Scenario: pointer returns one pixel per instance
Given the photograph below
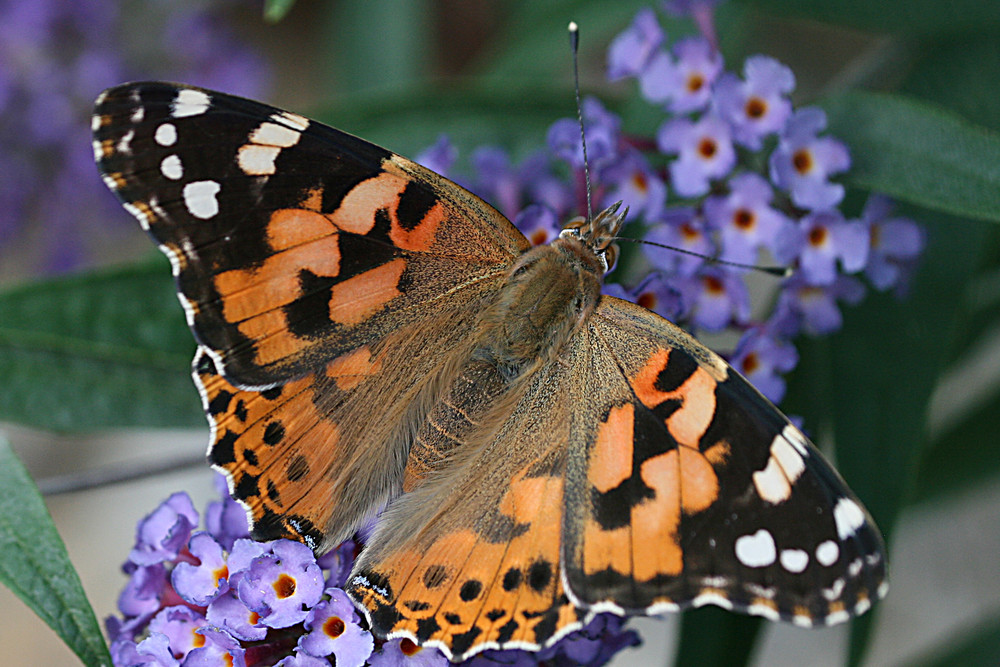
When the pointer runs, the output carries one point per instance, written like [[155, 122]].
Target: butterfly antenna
[[574, 45], [779, 271]]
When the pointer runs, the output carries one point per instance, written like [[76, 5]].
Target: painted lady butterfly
[[372, 334]]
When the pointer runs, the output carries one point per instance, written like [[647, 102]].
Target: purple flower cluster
[[209, 597], [733, 172], [55, 57]]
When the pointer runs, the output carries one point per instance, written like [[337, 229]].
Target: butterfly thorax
[[549, 293]]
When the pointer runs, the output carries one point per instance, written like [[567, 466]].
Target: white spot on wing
[[257, 160], [125, 143], [794, 436], [794, 560], [190, 102], [827, 553], [756, 550], [300, 123], [790, 460], [200, 198], [171, 167], [771, 483], [138, 114], [270, 134], [166, 134], [848, 516]]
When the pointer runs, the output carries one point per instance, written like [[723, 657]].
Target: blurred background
[[919, 378]]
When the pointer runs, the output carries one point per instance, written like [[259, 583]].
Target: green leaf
[[109, 348], [898, 16], [35, 566], [409, 119], [378, 42], [978, 646], [275, 10], [712, 636], [919, 153]]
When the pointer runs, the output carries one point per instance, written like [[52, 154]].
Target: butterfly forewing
[[292, 242], [699, 491]]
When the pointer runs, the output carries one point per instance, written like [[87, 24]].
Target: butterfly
[[372, 335]]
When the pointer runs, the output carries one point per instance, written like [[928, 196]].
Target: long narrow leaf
[[35, 566]]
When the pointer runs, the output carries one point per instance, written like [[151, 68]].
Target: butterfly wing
[[314, 268], [698, 490]]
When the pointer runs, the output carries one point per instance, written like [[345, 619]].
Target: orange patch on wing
[[522, 501], [644, 383], [718, 453], [422, 236], [289, 227], [699, 485], [350, 369], [313, 200], [356, 213], [611, 456], [272, 339], [607, 549], [697, 396], [656, 549], [690, 422], [358, 298], [250, 292]]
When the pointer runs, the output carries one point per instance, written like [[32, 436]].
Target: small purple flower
[[679, 228], [153, 651], [302, 659], [632, 181], [498, 179], [141, 594], [230, 614], [538, 223], [631, 51], [717, 298], [241, 556], [823, 239], [165, 531], [339, 562], [757, 106], [334, 628], [282, 586], [745, 219], [180, 625], [813, 308], [200, 583], [226, 519], [440, 157], [761, 358], [405, 653], [803, 162], [895, 243], [660, 295], [602, 129], [220, 648], [704, 151], [689, 79]]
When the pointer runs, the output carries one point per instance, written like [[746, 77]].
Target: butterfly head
[[599, 233]]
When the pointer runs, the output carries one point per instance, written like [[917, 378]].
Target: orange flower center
[[707, 147], [284, 587], [755, 108], [334, 627], [802, 160]]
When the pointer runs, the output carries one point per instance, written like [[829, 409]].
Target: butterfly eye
[[611, 255]]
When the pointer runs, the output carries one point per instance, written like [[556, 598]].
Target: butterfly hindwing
[[699, 491]]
